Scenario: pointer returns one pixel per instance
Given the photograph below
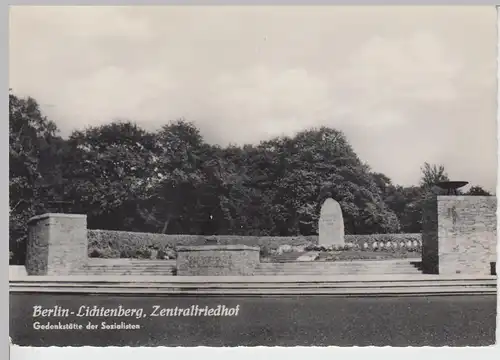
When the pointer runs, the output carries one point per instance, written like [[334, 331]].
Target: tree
[[174, 201], [383, 182], [34, 167], [313, 165], [432, 174], [477, 191], [172, 181], [112, 168]]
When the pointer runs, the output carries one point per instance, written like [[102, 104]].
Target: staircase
[[287, 257], [295, 268], [128, 267], [320, 268]]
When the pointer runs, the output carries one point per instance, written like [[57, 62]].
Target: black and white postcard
[[229, 176]]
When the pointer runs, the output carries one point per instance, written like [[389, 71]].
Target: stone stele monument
[[331, 224]]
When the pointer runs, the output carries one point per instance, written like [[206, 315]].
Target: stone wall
[[122, 240], [57, 244], [217, 260], [37, 247], [461, 231]]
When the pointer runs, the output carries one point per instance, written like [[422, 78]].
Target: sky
[[407, 85]]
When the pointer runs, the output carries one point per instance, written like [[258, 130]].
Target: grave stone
[[331, 224]]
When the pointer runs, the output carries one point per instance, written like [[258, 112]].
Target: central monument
[[331, 224]]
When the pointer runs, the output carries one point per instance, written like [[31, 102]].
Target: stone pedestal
[[57, 244], [217, 260], [459, 235]]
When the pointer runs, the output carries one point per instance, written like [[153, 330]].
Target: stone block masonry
[[217, 260], [459, 234], [57, 244]]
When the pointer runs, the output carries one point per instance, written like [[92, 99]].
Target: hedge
[[115, 244]]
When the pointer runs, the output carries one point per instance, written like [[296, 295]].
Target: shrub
[[143, 254], [127, 253], [166, 254], [309, 247], [285, 249], [106, 253], [264, 251]]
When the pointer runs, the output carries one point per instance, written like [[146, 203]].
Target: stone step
[[388, 261], [321, 266], [334, 272], [375, 270], [267, 271], [315, 264], [321, 273], [336, 267], [122, 262], [156, 271], [127, 260], [259, 282], [132, 270], [129, 267], [295, 268], [295, 263], [137, 262], [339, 268], [338, 271], [163, 273], [124, 274]]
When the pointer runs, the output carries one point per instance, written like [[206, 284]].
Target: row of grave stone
[[395, 245], [375, 245]]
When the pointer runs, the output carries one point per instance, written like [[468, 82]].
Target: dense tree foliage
[[172, 181], [35, 166], [477, 191]]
